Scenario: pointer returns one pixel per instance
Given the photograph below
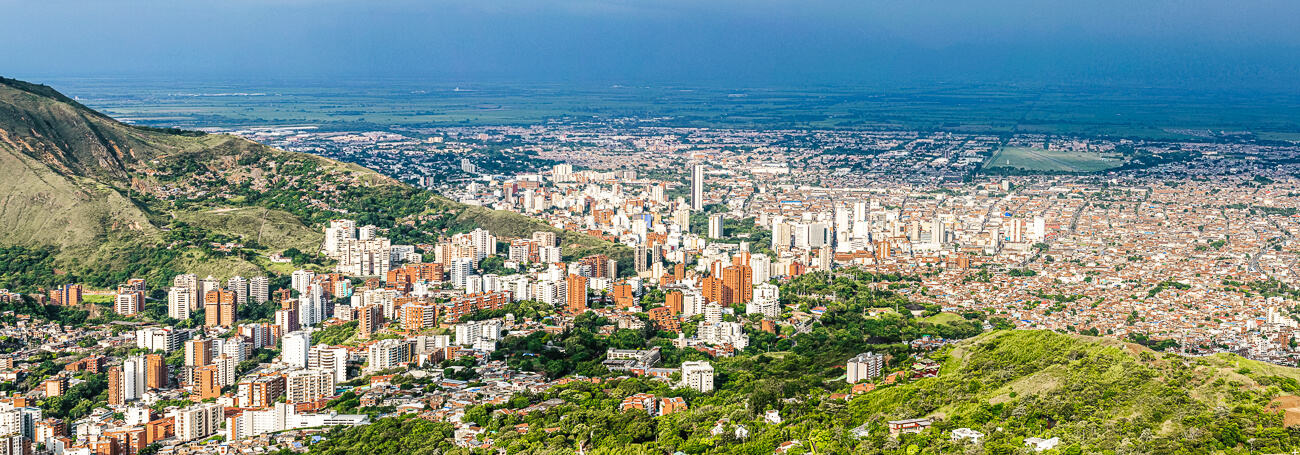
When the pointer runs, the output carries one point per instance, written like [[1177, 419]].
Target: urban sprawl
[[1189, 245]]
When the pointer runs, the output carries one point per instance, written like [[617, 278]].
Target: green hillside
[[111, 201], [275, 229], [1098, 396]]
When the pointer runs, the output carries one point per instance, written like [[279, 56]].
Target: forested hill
[[1098, 396], [99, 201]]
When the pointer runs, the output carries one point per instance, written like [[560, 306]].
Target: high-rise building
[[258, 391], [577, 293], [206, 285], [864, 366], [369, 318], [66, 295], [715, 226], [418, 317], [239, 286], [484, 243], [179, 302], [471, 332], [697, 187], [261, 335], [115, 396], [387, 354], [220, 308], [155, 372], [673, 300], [133, 378], [657, 193], [188, 280], [287, 318], [295, 346], [739, 280], [599, 265], [545, 238], [641, 259], [161, 339], [207, 380], [460, 270], [200, 352], [698, 375], [682, 218], [311, 305], [302, 386], [716, 291], [521, 250], [198, 421], [761, 265], [128, 303], [938, 236], [781, 234], [301, 279], [259, 289], [334, 360], [549, 254]]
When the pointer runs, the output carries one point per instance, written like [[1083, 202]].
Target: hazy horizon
[[1195, 45]]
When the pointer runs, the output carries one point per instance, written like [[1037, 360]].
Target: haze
[[1191, 44]]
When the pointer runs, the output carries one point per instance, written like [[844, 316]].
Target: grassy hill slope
[[1096, 394], [275, 229], [39, 206]]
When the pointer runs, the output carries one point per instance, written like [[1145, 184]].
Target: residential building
[[387, 354], [369, 320], [576, 298], [326, 358], [864, 366], [302, 386], [179, 302], [295, 348], [220, 308], [698, 375], [198, 421], [259, 289]]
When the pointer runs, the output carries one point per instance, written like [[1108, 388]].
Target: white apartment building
[[198, 421], [864, 366], [295, 346], [698, 375]]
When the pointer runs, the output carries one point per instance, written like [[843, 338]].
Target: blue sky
[[1192, 43]]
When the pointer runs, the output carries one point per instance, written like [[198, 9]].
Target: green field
[[1051, 160], [98, 299], [945, 318]]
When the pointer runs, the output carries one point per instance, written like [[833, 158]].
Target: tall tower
[[697, 187]]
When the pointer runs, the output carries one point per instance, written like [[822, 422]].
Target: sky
[[1184, 43]]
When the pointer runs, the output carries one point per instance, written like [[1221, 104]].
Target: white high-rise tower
[[697, 187]]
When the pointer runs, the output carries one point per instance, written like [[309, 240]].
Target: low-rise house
[[1040, 444], [897, 427], [967, 434]]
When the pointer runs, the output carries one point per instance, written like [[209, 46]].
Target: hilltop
[[1097, 395], [110, 201]]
